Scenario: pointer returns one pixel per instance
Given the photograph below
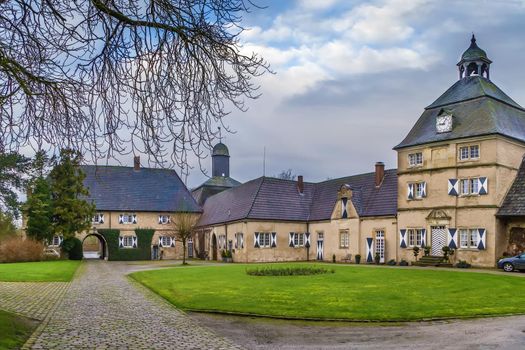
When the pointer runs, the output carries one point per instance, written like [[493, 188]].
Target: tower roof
[[474, 53], [220, 149]]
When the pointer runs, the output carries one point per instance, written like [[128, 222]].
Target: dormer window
[[415, 159]]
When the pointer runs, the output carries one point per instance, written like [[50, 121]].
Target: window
[[127, 241], [414, 237], [264, 239], [166, 241], [298, 239], [469, 152], [55, 242], [127, 218], [239, 240], [98, 218], [415, 159], [419, 190], [164, 219], [222, 241], [344, 239], [468, 238], [468, 187]]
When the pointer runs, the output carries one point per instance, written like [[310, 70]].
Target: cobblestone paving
[[104, 310], [31, 299]]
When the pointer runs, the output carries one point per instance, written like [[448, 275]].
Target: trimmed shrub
[[357, 258], [333, 258], [403, 263], [142, 252], [462, 264], [287, 271], [16, 249], [391, 262], [73, 247]]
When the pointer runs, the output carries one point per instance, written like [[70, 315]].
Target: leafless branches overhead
[[110, 76]]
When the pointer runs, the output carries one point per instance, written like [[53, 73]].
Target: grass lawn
[[352, 293], [14, 330], [43, 271]]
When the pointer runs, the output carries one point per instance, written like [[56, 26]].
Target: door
[[320, 246], [213, 247], [155, 252], [190, 247], [380, 245], [439, 239]]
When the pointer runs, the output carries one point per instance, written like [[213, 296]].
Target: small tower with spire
[[474, 61]]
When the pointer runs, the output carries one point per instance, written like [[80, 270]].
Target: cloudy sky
[[352, 77]]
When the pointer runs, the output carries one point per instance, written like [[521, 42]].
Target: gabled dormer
[[344, 207]]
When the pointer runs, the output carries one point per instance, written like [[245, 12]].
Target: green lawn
[[14, 330], [43, 271], [352, 293]]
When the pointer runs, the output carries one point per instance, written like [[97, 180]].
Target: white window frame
[[127, 241], [239, 239], [55, 241], [298, 239], [344, 239], [265, 239], [465, 152], [415, 159], [127, 218], [164, 219], [415, 237], [468, 238], [469, 186], [166, 241], [97, 218], [418, 190]]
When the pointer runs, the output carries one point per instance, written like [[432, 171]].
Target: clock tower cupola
[[474, 61]]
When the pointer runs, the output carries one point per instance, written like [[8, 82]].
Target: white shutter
[[172, 242], [169, 219], [369, 250], [235, 239], [410, 191], [452, 238], [307, 239], [256, 240], [160, 219], [482, 239], [344, 212], [423, 238], [60, 239], [242, 240], [134, 218], [290, 242], [121, 242], [134, 241], [483, 186], [101, 219], [274, 240], [424, 189], [120, 219], [402, 238], [453, 187], [160, 242]]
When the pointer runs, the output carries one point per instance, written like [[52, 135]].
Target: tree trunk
[[184, 252]]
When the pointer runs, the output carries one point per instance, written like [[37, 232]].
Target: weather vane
[[220, 135]]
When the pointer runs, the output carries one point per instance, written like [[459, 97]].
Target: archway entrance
[[94, 246], [213, 247]]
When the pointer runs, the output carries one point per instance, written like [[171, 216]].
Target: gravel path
[[103, 309]]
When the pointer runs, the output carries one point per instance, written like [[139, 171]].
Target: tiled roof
[[125, 189], [514, 202], [268, 198], [213, 186], [478, 108]]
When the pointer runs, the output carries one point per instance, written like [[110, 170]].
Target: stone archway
[[213, 247], [94, 246]]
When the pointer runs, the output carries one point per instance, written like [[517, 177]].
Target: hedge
[[142, 252]]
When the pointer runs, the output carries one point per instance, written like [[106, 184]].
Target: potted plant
[[228, 256], [416, 252], [427, 249], [447, 253], [403, 262], [377, 258], [358, 258], [333, 258]]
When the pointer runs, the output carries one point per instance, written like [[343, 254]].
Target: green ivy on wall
[[142, 252]]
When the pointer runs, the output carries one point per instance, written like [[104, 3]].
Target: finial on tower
[[474, 61], [220, 134]]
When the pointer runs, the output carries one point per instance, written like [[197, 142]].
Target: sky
[[352, 77]]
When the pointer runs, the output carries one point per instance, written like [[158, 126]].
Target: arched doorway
[[214, 247], [94, 246]]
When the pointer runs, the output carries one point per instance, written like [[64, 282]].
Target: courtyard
[[102, 307]]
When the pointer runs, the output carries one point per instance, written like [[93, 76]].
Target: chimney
[[136, 163], [380, 173], [300, 184]]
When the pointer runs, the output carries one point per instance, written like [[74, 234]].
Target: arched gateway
[[94, 246]]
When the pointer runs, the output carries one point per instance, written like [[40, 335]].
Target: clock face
[[444, 123]]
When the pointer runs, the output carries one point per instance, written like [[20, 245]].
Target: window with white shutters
[[415, 236], [264, 239], [127, 241], [298, 239], [98, 218], [468, 238]]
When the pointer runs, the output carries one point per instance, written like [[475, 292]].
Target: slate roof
[[267, 198], [116, 188], [478, 107], [514, 202], [213, 186]]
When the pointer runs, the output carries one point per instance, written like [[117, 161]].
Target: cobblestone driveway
[[104, 310]]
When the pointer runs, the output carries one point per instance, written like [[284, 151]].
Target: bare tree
[[183, 227], [286, 175], [99, 76]]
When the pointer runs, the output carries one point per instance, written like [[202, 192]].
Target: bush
[[16, 249], [403, 263], [377, 258], [287, 271], [391, 262], [358, 258], [73, 247], [462, 264], [333, 258]]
